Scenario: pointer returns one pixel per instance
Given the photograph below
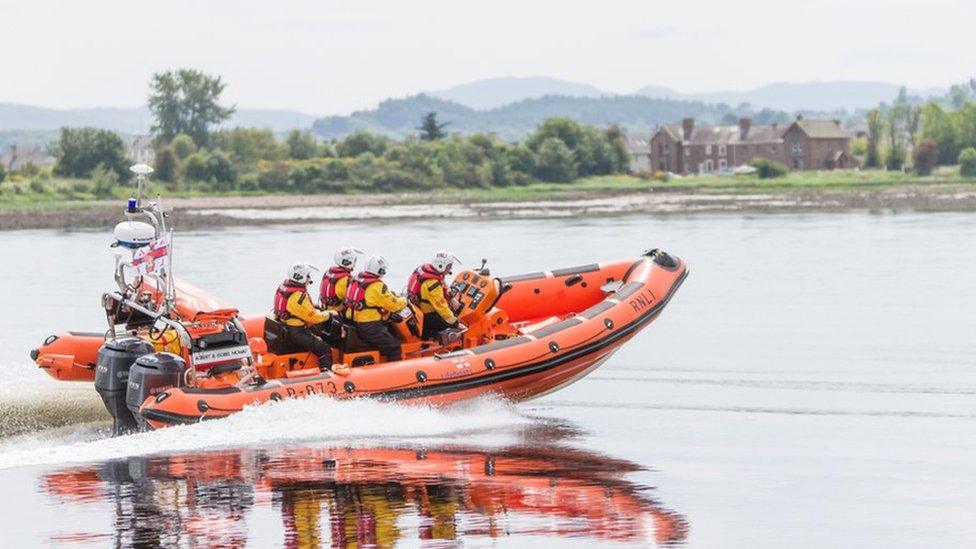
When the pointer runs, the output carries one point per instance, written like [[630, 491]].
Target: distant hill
[[136, 120], [849, 95], [496, 92], [846, 95], [400, 117]]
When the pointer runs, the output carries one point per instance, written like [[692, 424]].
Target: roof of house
[[758, 134], [728, 135], [821, 129]]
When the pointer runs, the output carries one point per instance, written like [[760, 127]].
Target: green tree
[[186, 101], [183, 146], [939, 126], [895, 158], [555, 161], [359, 143], [104, 181], [195, 167], [620, 155], [958, 95], [431, 129], [521, 159], [925, 156], [166, 164], [302, 145], [221, 171], [3, 173], [913, 118], [875, 132], [967, 162], [568, 131], [965, 121], [248, 145], [79, 150]]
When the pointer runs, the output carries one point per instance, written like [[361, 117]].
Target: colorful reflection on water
[[367, 496]]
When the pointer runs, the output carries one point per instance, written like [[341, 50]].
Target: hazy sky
[[333, 57]]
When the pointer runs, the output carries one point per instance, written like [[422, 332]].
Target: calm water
[[813, 383]]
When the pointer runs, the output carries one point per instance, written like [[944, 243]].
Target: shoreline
[[223, 211]]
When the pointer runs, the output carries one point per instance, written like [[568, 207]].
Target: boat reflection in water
[[368, 496]]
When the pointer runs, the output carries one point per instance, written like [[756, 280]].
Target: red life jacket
[[356, 293], [417, 278], [327, 291], [281, 298]]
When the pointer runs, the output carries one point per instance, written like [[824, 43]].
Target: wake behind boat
[[173, 354]]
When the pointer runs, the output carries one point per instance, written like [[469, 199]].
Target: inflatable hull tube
[[569, 326]]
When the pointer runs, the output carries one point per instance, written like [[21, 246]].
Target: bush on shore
[[967, 162], [768, 169], [925, 156]]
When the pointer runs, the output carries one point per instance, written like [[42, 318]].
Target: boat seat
[[349, 342], [277, 339]]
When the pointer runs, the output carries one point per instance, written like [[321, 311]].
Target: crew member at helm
[[335, 282], [428, 290], [370, 303], [295, 309]]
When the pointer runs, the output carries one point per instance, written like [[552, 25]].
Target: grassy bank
[[64, 194]]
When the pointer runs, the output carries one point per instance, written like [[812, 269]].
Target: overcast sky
[[328, 57]]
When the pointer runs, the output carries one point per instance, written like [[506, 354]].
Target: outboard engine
[[152, 374], [112, 368]]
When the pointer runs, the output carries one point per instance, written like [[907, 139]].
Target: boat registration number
[[226, 354]]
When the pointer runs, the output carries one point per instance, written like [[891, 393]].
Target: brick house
[[803, 145]]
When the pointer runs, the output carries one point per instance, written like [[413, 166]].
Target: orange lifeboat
[[526, 336]]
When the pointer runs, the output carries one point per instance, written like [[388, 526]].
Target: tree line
[[940, 131], [192, 152]]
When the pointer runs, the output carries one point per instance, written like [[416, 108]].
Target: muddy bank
[[208, 212]]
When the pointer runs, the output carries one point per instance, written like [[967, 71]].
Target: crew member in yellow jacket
[[370, 303], [429, 290], [294, 308], [335, 282]]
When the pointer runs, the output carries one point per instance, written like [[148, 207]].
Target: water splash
[[291, 421]]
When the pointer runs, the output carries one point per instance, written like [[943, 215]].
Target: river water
[[813, 382]]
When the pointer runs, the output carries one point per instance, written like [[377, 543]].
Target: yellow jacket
[[341, 287], [432, 300], [379, 301], [303, 312]]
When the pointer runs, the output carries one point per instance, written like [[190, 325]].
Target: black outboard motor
[[115, 359], [151, 375]]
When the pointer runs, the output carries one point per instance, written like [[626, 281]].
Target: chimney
[[688, 126], [799, 117], [744, 125]]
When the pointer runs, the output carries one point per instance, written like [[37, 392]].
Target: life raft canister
[[356, 293], [417, 278], [281, 299], [327, 291]]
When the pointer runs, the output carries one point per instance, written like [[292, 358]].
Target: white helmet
[[346, 257], [376, 265], [301, 273], [443, 261]]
